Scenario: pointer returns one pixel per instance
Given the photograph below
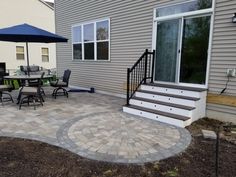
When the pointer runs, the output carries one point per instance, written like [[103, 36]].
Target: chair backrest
[[23, 69], [34, 69], [42, 75], [2, 77], [1, 80], [2, 69], [40, 82], [66, 76]]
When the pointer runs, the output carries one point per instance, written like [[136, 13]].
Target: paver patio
[[94, 126]]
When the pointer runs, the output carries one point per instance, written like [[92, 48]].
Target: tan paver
[[93, 126]]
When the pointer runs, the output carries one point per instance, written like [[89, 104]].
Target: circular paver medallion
[[118, 137]]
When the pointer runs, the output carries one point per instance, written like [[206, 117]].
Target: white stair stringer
[[200, 111]]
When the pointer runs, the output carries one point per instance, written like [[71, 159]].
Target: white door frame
[[203, 12]]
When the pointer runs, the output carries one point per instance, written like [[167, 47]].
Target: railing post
[[128, 84], [145, 66], [153, 63]]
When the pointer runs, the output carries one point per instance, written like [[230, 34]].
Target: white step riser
[[156, 117], [166, 99], [171, 91], [163, 108]]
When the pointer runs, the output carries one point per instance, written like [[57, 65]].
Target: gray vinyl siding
[[131, 33], [223, 53], [221, 108], [223, 47]]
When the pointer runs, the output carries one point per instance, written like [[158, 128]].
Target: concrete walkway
[[94, 126]]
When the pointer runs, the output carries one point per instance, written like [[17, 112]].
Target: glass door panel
[[167, 50], [194, 54]]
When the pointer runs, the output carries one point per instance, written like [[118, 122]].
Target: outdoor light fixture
[[234, 18]]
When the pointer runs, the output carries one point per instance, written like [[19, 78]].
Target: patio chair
[[23, 69], [34, 69], [61, 84], [32, 94], [36, 83], [3, 90]]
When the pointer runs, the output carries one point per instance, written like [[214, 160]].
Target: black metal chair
[[36, 83], [34, 69], [3, 91], [4, 96], [61, 84], [32, 94]]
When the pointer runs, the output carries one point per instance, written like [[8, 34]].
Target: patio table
[[23, 78], [26, 77]]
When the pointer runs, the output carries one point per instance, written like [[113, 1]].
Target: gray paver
[[209, 134], [94, 126]]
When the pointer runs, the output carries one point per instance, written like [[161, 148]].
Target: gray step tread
[[189, 108], [173, 116], [177, 87], [169, 95]]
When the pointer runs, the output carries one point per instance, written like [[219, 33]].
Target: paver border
[[65, 141]]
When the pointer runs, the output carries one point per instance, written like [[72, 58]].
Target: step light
[[234, 18]]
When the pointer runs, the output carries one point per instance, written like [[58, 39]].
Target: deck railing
[[141, 71]]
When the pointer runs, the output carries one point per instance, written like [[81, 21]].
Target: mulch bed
[[27, 158]]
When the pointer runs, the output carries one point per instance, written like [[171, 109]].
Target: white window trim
[[45, 54], [203, 12], [94, 41], [183, 14], [20, 53]]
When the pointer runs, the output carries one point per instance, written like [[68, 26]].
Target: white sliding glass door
[[181, 41], [167, 44], [194, 54]]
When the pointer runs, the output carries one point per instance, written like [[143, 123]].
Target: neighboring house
[[36, 13], [195, 43]]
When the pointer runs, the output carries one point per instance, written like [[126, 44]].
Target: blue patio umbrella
[[27, 33]]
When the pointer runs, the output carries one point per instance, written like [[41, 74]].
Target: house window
[[88, 36], [45, 55], [91, 41], [20, 55], [191, 5], [77, 42], [102, 37]]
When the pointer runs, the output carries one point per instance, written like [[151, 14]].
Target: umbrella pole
[[27, 52]]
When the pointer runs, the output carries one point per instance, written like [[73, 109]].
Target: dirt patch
[[27, 158], [214, 125]]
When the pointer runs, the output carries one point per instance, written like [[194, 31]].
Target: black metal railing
[[141, 71]]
